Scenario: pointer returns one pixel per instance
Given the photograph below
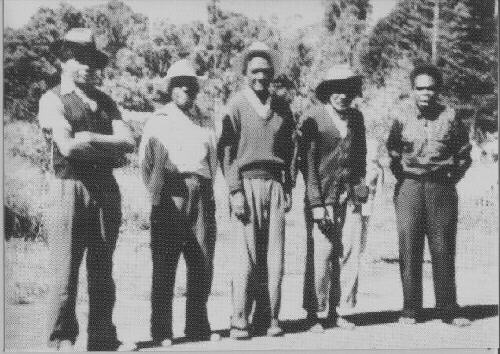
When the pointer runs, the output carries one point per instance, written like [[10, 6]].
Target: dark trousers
[[427, 208], [85, 216], [183, 222]]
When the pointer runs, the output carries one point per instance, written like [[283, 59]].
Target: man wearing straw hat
[[88, 141], [178, 161], [256, 149], [335, 167]]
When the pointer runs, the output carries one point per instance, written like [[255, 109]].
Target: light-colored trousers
[[258, 254], [332, 268]]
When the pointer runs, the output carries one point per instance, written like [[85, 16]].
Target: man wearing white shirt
[[178, 162], [88, 141]]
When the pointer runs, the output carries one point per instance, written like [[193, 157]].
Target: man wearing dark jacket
[[335, 167], [430, 152]]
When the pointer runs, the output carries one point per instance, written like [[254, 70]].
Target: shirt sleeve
[[461, 148], [51, 112], [359, 156], [227, 149], [310, 141], [394, 147], [290, 150]]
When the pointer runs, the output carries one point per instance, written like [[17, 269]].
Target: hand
[[288, 202], [343, 197], [318, 213], [238, 205], [360, 193]]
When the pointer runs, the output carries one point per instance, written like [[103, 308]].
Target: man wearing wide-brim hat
[[255, 151], [333, 134], [89, 139], [178, 162]]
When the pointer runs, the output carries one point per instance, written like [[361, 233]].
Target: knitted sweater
[[254, 145], [332, 162]]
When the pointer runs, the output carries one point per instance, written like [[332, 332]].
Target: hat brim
[[93, 56], [349, 85], [251, 53]]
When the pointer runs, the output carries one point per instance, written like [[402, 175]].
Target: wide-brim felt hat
[[81, 41], [339, 79], [259, 49]]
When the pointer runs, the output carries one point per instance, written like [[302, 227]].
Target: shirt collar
[[171, 110], [67, 86], [261, 109], [435, 114]]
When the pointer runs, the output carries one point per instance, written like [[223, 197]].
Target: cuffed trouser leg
[[166, 243], [263, 233], [322, 276], [353, 239], [442, 211], [104, 229], [309, 300], [66, 244], [411, 221], [198, 252], [84, 217]]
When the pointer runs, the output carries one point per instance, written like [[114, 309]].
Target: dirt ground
[[380, 295]]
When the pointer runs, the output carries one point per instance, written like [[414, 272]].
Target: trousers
[[332, 265], [183, 222], [258, 254], [86, 216], [427, 208]]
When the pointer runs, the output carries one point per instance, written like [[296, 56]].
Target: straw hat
[[339, 79], [181, 68], [81, 42]]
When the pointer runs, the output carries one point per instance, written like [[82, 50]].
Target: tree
[[465, 46]]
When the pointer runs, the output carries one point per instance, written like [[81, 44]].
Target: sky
[[296, 12]]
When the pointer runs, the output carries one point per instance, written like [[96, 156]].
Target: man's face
[[425, 91], [184, 96], [81, 74], [341, 101], [259, 74]]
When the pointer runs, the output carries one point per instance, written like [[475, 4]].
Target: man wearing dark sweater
[[334, 171], [255, 149]]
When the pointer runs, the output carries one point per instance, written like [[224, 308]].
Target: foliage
[[467, 48]]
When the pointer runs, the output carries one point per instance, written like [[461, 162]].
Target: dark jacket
[[332, 164]]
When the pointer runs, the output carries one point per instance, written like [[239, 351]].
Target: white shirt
[[340, 124], [51, 108], [262, 109], [190, 148]]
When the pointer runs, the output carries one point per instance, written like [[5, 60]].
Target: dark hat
[[339, 79], [259, 49], [81, 43]]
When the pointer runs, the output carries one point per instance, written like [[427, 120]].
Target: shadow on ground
[[472, 312]]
